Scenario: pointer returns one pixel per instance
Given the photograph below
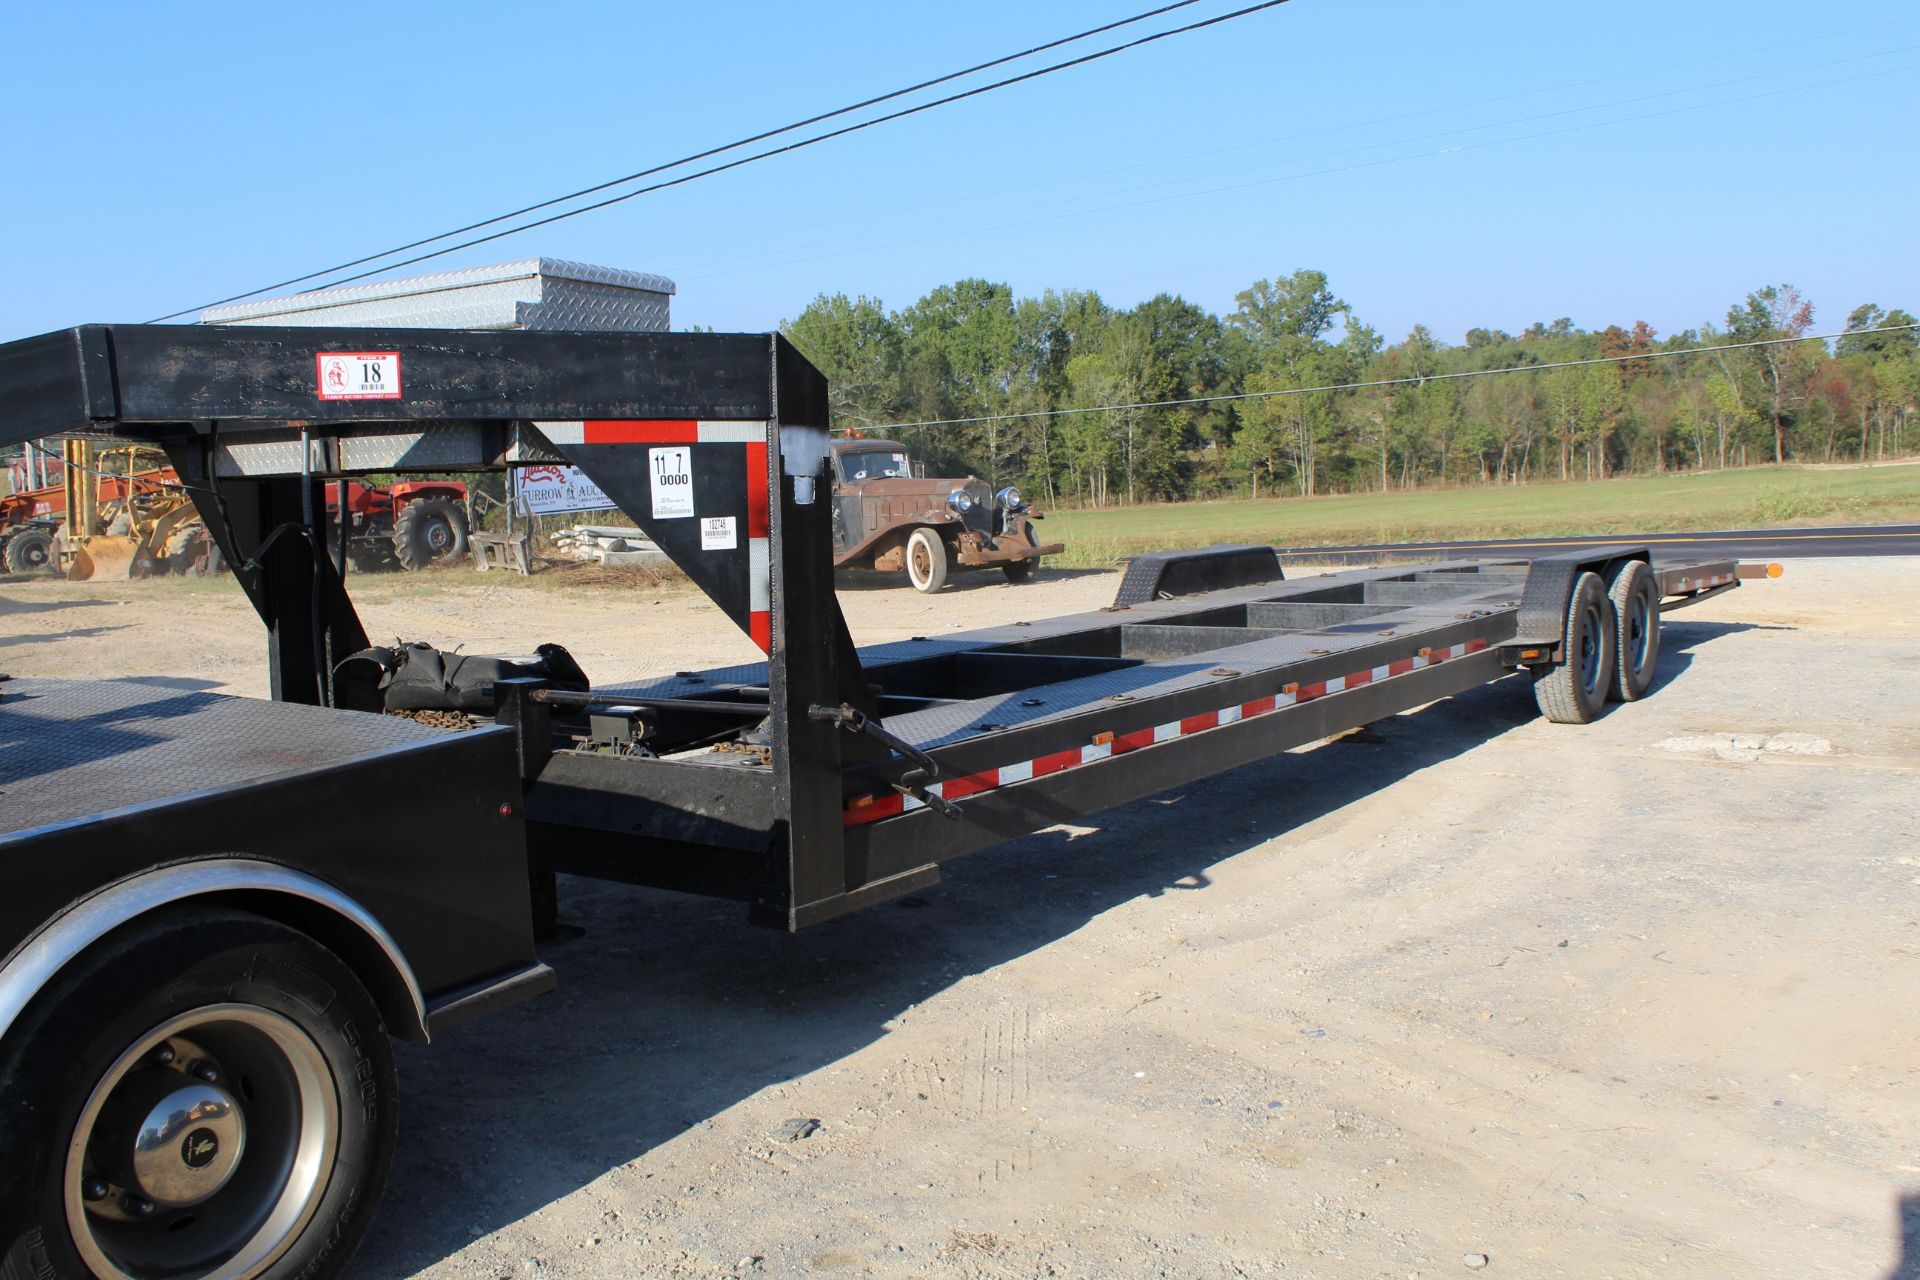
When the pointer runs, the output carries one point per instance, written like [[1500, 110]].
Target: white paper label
[[672, 474], [717, 534], [357, 375]]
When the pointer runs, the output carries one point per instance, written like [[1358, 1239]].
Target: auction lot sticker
[[358, 375], [671, 471]]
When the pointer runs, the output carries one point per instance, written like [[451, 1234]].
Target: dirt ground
[[1635, 999]]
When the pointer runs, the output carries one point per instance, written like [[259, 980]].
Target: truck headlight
[[1009, 498], [959, 501]]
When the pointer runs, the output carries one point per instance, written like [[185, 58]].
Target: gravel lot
[[1635, 999]]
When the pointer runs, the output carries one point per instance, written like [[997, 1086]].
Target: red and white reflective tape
[[1703, 584], [861, 810], [658, 431], [654, 431]]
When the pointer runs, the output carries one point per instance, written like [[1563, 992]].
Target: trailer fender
[[301, 901], [1541, 626]]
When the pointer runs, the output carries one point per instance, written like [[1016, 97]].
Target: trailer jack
[[914, 781]]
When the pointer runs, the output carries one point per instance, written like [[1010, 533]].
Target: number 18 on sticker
[[672, 473]]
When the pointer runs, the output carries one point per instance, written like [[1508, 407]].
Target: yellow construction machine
[[127, 516]]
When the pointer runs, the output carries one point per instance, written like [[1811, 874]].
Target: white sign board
[[551, 490]]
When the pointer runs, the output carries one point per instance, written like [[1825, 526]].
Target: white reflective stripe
[[759, 576], [1419, 661], [731, 432], [1381, 673], [1166, 732], [1284, 700], [909, 803], [1022, 772], [935, 788], [1095, 751], [563, 432], [1227, 715], [1337, 685]]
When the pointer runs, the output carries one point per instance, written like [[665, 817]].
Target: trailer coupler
[[913, 781]]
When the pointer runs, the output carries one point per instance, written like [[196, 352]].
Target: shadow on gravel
[[864, 580], [673, 1009]]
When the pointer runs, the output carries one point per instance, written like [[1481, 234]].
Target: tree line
[[971, 350]]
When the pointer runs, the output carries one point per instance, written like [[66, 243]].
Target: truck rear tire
[[1575, 689], [1636, 610], [261, 1062], [30, 551], [429, 531], [1018, 571], [926, 560]]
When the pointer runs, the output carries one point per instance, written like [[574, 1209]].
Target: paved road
[[1749, 544]]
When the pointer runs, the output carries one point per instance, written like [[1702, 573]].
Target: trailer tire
[[926, 560], [1636, 611], [429, 531], [1575, 689], [293, 1075], [29, 550]]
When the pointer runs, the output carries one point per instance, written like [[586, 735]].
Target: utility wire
[[731, 146], [803, 143], [1413, 380]]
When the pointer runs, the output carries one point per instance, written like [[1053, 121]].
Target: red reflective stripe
[[1056, 762], [1473, 646], [641, 431], [1258, 707], [1360, 677], [757, 518], [972, 784], [1308, 692], [760, 627], [1195, 724], [1133, 741], [887, 806], [1400, 668]]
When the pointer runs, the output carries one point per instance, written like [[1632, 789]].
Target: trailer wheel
[[1574, 690], [1636, 610], [429, 531], [926, 560], [30, 551], [208, 1094]]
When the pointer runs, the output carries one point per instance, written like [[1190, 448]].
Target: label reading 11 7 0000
[[672, 474]]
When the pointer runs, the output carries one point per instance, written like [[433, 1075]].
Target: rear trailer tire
[[29, 551], [1636, 611], [926, 560], [1574, 690], [429, 531], [207, 1093]]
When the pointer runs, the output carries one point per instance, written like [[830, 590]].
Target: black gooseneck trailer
[[199, 971]]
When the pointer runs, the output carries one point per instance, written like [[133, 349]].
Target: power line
[[763, 155], [1414, 380]]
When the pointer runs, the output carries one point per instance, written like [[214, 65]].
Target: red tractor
[[414, 522]]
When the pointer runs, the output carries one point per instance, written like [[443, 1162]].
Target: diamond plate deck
[[1484, 596], [70, 748]]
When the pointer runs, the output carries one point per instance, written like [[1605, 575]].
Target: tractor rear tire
[[429, 531], [29, 551], [1574, 690], [1636, 610], [926, 560]]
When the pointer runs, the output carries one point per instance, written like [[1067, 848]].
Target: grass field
[[1756, 497]]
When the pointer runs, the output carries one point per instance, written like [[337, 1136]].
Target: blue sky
[[1467, 164]]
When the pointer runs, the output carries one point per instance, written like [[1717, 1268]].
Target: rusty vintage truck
[[887, 519]]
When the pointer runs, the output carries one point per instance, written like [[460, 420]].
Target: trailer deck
[[66, 744]]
